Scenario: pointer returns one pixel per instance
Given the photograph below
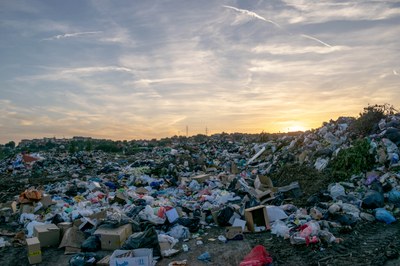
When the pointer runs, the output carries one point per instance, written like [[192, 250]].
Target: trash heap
[[145, 206]]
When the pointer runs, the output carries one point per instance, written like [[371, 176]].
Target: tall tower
[[187, 130]]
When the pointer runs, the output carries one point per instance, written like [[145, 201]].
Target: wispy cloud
[[95, 69], [72, 35], [315, 39], [396, 73], [314, 11], [253, 14], [288, 49]]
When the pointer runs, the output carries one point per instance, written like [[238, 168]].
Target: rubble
[[160, 197]]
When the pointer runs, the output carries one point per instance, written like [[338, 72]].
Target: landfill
[[300, 198]]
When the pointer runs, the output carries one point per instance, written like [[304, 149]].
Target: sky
[[128, 70]]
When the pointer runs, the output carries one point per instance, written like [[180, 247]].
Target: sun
[[295, 128]]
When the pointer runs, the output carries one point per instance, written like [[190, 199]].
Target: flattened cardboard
[[113, 238], [34, 251], [275, 213], [104, 261], [72, 240]]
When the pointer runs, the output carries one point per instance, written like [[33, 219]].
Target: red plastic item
[[258, 256]]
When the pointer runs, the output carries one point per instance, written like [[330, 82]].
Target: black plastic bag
[[224, 215], [91, 244], [57, 219], [146, 239], [372, 200], [193, 224], [135, 211]]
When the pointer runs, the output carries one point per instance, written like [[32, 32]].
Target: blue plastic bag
[[383, 215], [394, 197]]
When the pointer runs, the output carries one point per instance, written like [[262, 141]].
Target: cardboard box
[[46, 201], [26, 208], [113, 238], [136, 257], [98, 216], [255, 217], [34, 252], [48, 235], [64, 227]]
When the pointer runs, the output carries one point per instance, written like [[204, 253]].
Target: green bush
[[368, 121], [354, 160]]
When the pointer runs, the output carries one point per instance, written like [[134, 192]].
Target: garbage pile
[[146, 205]]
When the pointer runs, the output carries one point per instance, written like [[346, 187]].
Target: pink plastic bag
[[258, 256]]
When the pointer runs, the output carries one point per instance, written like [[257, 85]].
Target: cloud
[[95, 69], [72, 35], [253, 14], [289, 49], [314, 11], [315, 39], [155, 68]]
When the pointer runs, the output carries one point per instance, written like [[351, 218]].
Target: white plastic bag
[[337, 190], [279, 228]]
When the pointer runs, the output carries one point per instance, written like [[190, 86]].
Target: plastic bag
[[258, 256], [311, 228], [350, 209], [179, 232], [146, 239], [372, 200], [394, 197], [162, 238], [321, 164], [193, 224], [91, 244], [30, 226], [224, 216], [337, 190], [279, 228], [83, 259], [206, 257], [371, 177], [383, 215], [148, 215]]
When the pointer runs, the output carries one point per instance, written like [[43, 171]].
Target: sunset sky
[[147, 69]]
